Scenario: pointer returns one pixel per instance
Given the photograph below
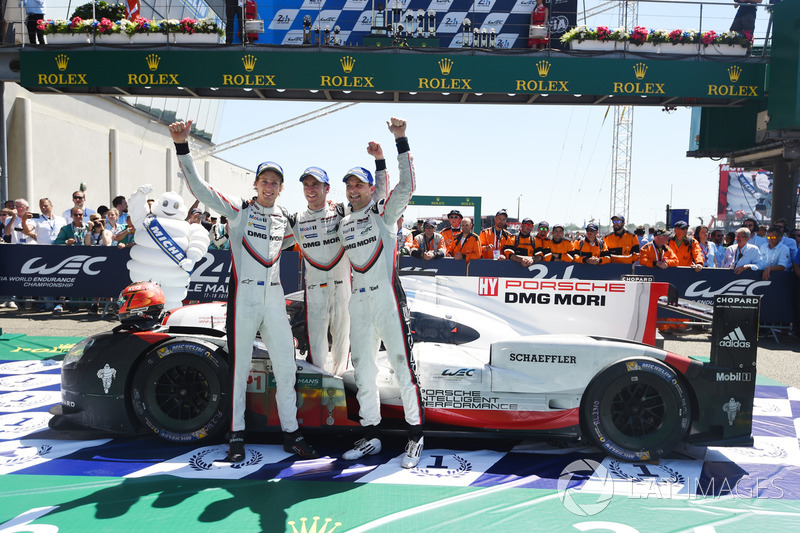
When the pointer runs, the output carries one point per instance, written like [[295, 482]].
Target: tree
[[112, 12]]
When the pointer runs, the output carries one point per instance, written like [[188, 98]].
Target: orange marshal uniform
[[450, 235], [583, 249], [421, 245], [491, 241], [623, 248], [650, 255], [560, 251], [521, 245], [469, 245], [687, 252], [542, 247]]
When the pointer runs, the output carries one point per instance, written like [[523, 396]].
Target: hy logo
[[152, 61], [445, 66], [249, 62], [735, 339], [347, 64], [68, 267], [62, 60], [640, 69], [543, 67], [313, 529], [734, 72]]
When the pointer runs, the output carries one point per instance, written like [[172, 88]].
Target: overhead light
[[412, 93], [478, 94], [378, 92], [280, 90], [346, 92], [314, 91], [247, 89], [445, 94], [214, 88], [512, 94]]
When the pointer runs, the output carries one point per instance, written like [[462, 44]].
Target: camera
[[98, 224]]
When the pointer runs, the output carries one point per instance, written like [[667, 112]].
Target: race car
[[552, 359]]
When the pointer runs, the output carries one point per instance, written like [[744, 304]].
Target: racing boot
[[235, 449], [413, 452], [296, 444], [369, 445]]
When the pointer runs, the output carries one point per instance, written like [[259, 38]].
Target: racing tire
[[180, 391], [636, 409]]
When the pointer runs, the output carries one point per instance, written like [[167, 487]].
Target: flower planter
[[649, 48], [195, 38], [149, 38], [67, 38], [724, 50], [113, 38], [604, 46], [683, 49]]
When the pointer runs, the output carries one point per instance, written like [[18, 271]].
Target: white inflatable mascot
[[167, 246]]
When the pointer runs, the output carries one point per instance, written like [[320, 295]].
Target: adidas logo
[[735, 339]]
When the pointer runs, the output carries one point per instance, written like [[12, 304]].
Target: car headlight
[[77, 351]]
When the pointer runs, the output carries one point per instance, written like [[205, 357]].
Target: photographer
[[97, 234]]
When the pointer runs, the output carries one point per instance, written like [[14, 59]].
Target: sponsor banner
[[436, 267], [91, 271]]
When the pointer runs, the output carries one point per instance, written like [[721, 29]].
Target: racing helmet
[[141, 304]]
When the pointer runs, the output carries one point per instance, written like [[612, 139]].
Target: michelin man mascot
[[167, 247]]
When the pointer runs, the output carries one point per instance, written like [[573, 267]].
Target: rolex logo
[[152, 61], [249, 62], [347, 64], [543, 67], [734, 72], [445, 65], [640, 69], [61, 61], [313, 529]]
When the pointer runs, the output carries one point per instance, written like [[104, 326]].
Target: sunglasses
[[543, 228], [77, 197], [454, 216]]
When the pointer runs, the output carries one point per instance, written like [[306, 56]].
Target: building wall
[[55, 143]]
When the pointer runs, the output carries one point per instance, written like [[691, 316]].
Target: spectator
[[75, 233], [79, 201], [233, 8], [453, 232], [639, 232], [418, 228], [686, 248], [560, 247], [590, 249], [743, 255], [622, 244], [97, 235], [650, 233], [658, 253], [774, 255], [790, 242], [428, 245], [467, 246], [795, 234], [745, 20], [219, 235], [19, 228], [522, 245], [752, 224], [542, 242], [404, 238], [195, 216], [729, 239], [121, 205], [494, 240], [121, 234], [719, 249], [47, 225], [762, 231], [706, 248], [6, 215], [34, 10]]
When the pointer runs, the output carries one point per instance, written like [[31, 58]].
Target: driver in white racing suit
[[258, 230], [327, 277], [378, 308]]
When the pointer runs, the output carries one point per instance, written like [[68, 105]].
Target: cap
[[430, 223], [682, 224], [558, 225], [195, 210], [361, 173], [659, 231], [620, 217], [455, 212], [316, 173], [501, 212], [591, 227], [527, 221], [269, 165], [544, 224]]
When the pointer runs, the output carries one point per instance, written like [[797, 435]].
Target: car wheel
[[636, 409], [179, 391]]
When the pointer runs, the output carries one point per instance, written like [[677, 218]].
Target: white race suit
[[255, 295], [327, 279], [378, 309]]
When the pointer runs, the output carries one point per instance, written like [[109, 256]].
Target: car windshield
[[429, 328]]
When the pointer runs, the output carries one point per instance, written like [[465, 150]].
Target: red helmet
[[142, 301]]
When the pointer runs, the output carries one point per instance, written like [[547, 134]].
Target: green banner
[[693, 79]]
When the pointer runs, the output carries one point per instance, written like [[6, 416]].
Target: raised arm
[[401, 194]]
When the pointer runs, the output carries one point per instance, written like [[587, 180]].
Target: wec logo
[[68, 267], [736, 287]]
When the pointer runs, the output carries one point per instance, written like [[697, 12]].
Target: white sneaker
[[58, 309], [363, 447], [11, 305], [413, 453]]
